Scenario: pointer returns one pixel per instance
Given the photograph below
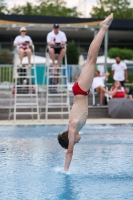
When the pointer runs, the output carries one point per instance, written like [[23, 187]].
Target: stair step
[[58, 68], [57, 94], [25, 77], [21, 95], [61, 85], [25, 86], [58, 113], [26, 113], [56, 76], [27, 103]]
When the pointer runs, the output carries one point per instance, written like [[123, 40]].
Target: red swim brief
[[77, 90], [23, 47]]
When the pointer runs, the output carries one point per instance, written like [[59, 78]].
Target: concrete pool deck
[[65, 121]]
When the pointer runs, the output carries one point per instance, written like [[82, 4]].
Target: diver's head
[[63, 139]]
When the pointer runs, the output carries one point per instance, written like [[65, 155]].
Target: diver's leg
[[87, 73]]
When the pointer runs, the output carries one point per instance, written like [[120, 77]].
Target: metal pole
[[105, 50]]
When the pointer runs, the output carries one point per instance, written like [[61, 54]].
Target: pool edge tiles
[[65, 121]]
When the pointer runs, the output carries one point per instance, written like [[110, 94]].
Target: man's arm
[[112, 73], [130, 94], [49, 40], [106, 74], [64, 39], [63, 43], [126, 75], [51, 44]]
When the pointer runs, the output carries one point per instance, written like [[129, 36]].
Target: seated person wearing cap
[[56, 40], [23, 42]]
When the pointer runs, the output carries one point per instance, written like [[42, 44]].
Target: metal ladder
[[57, 94], [24, 94]]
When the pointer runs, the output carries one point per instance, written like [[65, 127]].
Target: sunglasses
[[23, 31]]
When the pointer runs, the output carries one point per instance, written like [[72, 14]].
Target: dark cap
[[56, 26]]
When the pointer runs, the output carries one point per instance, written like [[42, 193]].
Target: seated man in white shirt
[[56, 41], [23, 42], [99, 83]]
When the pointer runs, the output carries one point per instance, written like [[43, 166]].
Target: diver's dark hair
[[63, 139]]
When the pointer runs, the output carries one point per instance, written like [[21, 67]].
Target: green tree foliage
[[27, 9], [2, 7], [45, 8], [72, 53], [123, 53], [120, 8], [5, 57]]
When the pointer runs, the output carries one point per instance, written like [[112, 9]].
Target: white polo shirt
[[98, 81], [119, 71], [20, 39], [56, 38]]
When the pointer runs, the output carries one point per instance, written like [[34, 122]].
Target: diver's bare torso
[[79, 111]]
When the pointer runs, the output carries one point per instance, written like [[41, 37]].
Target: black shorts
[[56, 49], [122, 83]]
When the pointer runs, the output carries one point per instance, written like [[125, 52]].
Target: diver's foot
[[56, 65], [55, 68], [54, 71], [20, 65], [107, 22], [29, 65]]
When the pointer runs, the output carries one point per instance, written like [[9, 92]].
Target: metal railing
[[7, 84], [6, 74]]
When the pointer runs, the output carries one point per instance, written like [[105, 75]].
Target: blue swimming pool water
[[31, 163]]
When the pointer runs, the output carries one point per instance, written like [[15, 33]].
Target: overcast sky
[[70, 3]]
